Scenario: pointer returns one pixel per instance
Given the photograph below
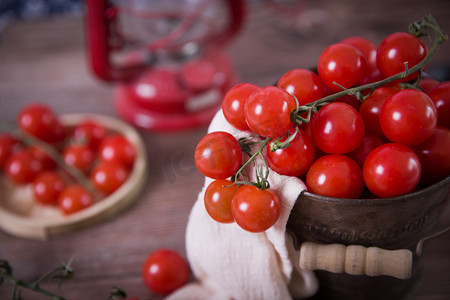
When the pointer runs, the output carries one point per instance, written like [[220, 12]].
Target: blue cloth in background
[[34, 9]]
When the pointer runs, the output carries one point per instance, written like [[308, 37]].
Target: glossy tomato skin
[[337, 128], [164, 271], [369, 143], [217, 199], [48, 162], [371, 107], [434, 156], [118, 148], [108, 176], [440, 95], [218, 155], [343, 64], [398, 48], [369, 50], [295, 159], [8, 145], [408, 117], [234, 102], [47, 187], [40, 121], [79, 156], [89, 133], [22, 167], [304, 84], [335, 175], [255, 210], [391, 170], [74, 198], [268, 111]]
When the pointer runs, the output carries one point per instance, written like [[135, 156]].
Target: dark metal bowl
[[389, 223]]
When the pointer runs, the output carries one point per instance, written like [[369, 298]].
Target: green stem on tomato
[[418, 29]]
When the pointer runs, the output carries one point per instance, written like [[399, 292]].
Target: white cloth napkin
[[231, 263]]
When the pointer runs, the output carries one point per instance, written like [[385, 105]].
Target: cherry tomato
[[369, 143], [47, 162], [8, 145], [369, 50], [79, 156], [268, 111], [335, 175], [22, 167], [47, 187], [337, 128], [74, 198], [371, 107], [41, 122], [434, 156], [255, 210], [118, 148], [89, 133], [108, 176], [234, 102], [409, 117], [427, 84], [350, 100], [217, 200], [294, 160], [218, 155], [440, 95], [343, 64], [304, 84], [398, 48], [391, 170], [164, 271]]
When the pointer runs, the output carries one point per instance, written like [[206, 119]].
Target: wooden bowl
[[388, 223], [21, 216]]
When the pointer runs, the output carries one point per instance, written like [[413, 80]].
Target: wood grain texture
[[45, 61]]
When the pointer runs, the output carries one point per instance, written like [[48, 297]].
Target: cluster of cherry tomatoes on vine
[[388, 138], [103, 159]]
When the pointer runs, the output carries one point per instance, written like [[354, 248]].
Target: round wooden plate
[[21, 216]]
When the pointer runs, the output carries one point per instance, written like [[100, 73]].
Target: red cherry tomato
[[218, 155], [108, 176], [369, 50], [369, 143], [47, 187], [337, 128], [268, 111], [434, 155], [304, 84], [47, 162], [398, 48], [217, 199], [118, 148], [391, 170], [234, 102], [8, 145], [427, 84], [74, 198], [440, 95], [79, 156], [89, 133], [294, 160], [409, 117], [22, 167], [335, 175], [41, 122], [255, 210], [371, 107], [164, 271], [343, 64]]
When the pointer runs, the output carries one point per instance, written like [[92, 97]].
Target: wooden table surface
[[45, 61]]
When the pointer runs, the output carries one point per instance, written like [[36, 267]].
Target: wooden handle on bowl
[[356, 260]]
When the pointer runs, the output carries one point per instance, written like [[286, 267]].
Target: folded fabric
[[231, 263]]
